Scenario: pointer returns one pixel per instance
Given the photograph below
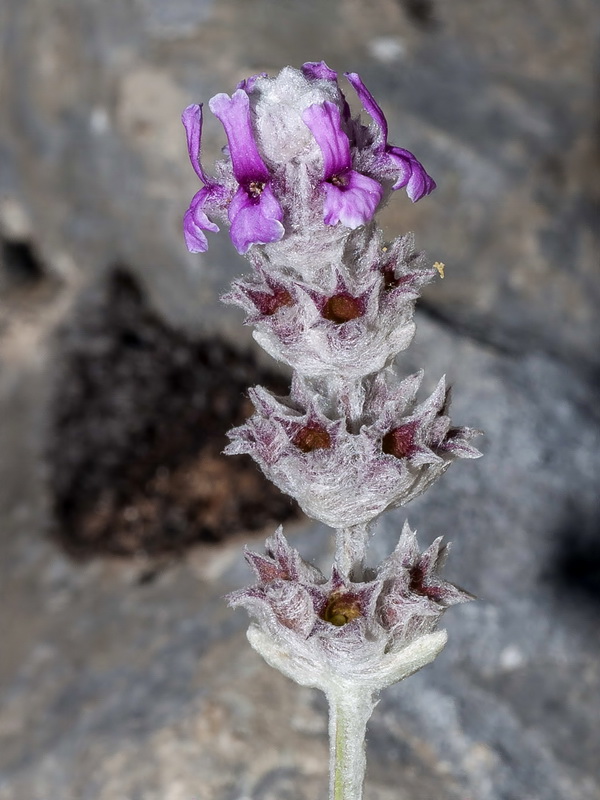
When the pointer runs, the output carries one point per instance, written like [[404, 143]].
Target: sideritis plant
[[299, 186]]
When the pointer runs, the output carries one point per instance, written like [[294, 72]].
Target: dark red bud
[[312, 437], [342, 308], [400, 442]]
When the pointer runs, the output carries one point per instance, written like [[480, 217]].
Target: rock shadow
[[137, 424]]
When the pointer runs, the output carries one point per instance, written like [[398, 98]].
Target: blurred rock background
[[123, 676]]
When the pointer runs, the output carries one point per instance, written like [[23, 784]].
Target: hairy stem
[[351, 549], [349, 712]]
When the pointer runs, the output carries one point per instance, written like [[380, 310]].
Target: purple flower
[[393, 162], [339, 627], [350, 197], [213, 196], [255, 213], [280, 132]]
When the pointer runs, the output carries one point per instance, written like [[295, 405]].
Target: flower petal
[[247, 84], [234, 114], [370, 105], [192, 121], [324, 122], [195, 239], [353, 204], [255, 220], [195, 222], [318, 70], [412, 174]]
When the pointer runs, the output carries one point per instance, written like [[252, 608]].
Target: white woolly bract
[[349, 478], [366, 633], [383, 670], [355, 349], [277, 105]]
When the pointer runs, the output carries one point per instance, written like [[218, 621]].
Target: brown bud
[[312, 437], [400, 442], [342, 308]]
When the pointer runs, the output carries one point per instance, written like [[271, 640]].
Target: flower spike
[[299, 185]]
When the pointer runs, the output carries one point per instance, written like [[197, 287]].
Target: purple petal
[[324, 122], [234, 114], [369, 104], [195, 239], [192, 121], [353, 204], [411, 173], [247, 84], [195, 222], [319, 71], [401, 162], [254, 220]]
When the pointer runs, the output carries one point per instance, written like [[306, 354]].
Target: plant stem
[[349, 712], [350, 550]]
